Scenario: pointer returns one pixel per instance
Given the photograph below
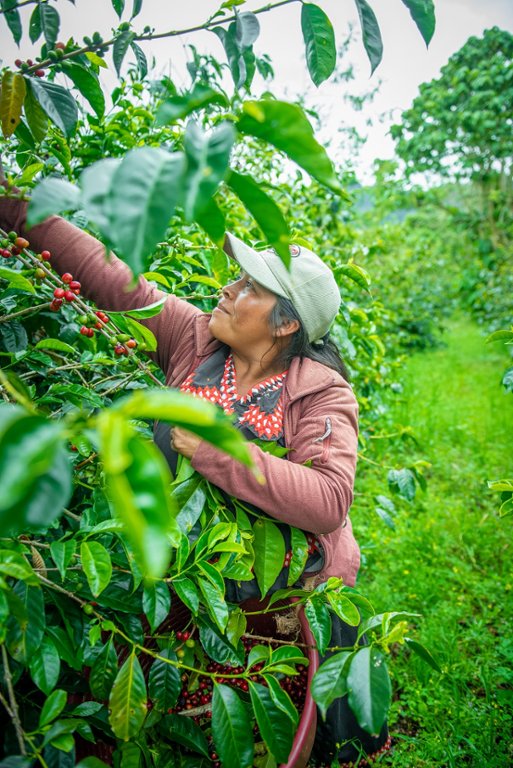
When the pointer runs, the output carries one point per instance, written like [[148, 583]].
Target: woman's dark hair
[[326, 353]]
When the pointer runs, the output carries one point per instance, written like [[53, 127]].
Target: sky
[[406, 61]]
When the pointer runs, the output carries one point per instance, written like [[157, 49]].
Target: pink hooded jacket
[[320, 410]]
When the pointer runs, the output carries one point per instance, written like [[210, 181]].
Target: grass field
[[450, 559]]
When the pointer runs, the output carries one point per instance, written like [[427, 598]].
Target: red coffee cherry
[[66, 277], [131, 344], [39, 73], [84, 330], [46, 255], [69, 296], [59, 293]]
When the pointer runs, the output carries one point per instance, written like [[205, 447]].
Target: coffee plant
[[117, 641]]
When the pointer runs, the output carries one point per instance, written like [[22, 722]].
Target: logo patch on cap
[[295, 250]]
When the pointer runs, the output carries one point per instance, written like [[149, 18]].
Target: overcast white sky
[[406, 62]]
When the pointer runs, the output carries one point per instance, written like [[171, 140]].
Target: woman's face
[[241, 318]]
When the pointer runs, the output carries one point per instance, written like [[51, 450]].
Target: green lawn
[[450, 559]]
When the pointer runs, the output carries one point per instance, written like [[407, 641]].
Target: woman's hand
[[184, 442]]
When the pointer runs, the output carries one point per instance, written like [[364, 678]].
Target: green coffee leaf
[[95, 183], [127, 700], [282, 700], [142, 313], [36, 117], [156, 603], [231, 728], [12, 17], [62, 553], [329, 682], [164, 683], [217, 645], [45, 665], [277, 731], [319, 620], [321, 51], [423, 653], [139, 494], [97, 565], [52, 707], [344, 608], [299, 547], [57, 345], [402, 481], [57, 102], [369, 689], [49, 23], [136, 9], [14, 565], [38, 440], [143, 193], [119, 6], [88, 85], [370, 32], [140, 57], [200, 417], [51, 196], [180, 106], [12, 96], [104, 671], [264, 210], [423, 14], [269, 553], [35, 25], [207, 158], [286, 127], [214, 602], [120, 47], [16, 280], [184, 731], [187, 592]]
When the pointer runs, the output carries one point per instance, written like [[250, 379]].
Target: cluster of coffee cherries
[[68, 294], [12, 245], [26, 65], [198, 695], [94, 320]]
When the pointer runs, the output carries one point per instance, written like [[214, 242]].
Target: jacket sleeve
[[315, 497], [106, 280]]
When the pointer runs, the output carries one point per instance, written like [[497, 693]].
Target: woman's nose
[[228, 290]]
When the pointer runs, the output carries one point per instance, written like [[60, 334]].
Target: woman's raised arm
[[107, 281]]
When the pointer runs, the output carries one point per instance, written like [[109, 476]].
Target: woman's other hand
[[184, 442]]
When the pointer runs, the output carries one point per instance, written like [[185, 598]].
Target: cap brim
[[253, 263]]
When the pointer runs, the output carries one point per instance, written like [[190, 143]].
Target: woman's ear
[[287, 328]]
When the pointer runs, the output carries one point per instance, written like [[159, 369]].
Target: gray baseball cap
[[309, 284]]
